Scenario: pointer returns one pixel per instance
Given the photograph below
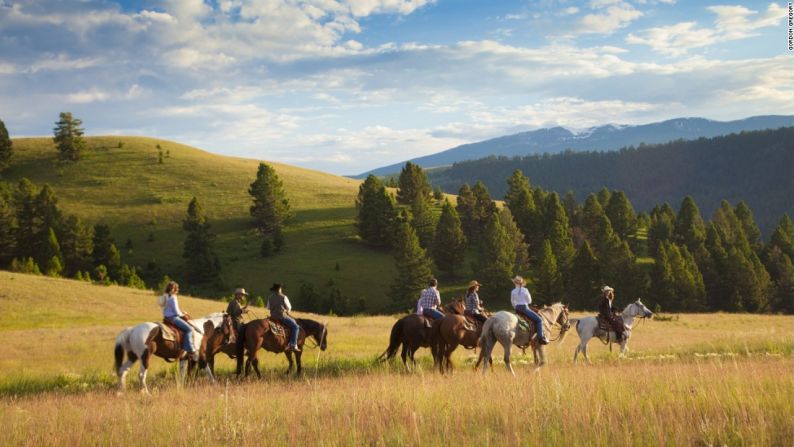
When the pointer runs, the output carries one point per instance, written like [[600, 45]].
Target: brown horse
[[262, 333], [450, 332], [213, 343], [412, 333]]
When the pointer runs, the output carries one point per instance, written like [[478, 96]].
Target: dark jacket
[[277, 303], [605, 308], [234, 310]]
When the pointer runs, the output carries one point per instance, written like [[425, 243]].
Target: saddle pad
[[523, 324], [277, 328], [168, 333]]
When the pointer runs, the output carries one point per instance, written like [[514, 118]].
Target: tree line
[[672, 259], [754, 167]]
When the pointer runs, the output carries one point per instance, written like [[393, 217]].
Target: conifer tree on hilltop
[[450, 242], [423, 220], [621, 215], [412, 182], [271, 208], [203, 265], [585, 282], [412, 265], [68, 137], [8, 231], [376, 213], [6, 147], [548, 281], [465, 209]]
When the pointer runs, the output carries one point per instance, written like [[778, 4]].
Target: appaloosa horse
[[274, 337], [504, 327], [147, 339], [588, 328], [412, 332]]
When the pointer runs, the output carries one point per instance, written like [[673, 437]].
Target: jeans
[[524, 309], [294, 328], [187, 338], [432, 313]]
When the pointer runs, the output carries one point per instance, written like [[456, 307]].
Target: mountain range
[[603, 138]]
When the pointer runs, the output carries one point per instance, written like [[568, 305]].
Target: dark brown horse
[[265, 334], [213, 343], [412, 333], [450, 332]]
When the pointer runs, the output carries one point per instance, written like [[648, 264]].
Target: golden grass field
[[705, 379]]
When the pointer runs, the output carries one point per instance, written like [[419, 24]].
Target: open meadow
[[703, 379]]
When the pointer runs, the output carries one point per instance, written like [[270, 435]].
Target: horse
[[504, 328], [213, 343], [587, 328], [411, 332], [258, 334], [146, 339], [449, 332]]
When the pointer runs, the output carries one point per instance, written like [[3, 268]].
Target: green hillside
[[145, 201]]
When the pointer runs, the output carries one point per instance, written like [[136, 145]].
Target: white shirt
[[520, 295]]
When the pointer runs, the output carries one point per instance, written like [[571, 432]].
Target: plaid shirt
[[429, 299]]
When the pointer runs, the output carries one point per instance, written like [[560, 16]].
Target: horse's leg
[[448, 356], [298, 361], [125, 368], [182, 371], [507, 345], [404, 356], [289, 359], [145, 357]]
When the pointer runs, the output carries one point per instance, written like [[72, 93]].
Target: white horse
[[503, 327], [587, 328], [145, 339]]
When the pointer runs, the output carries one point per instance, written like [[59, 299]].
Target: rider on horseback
[[236, 311], [429, 301], [175, 316], [473, 307], [279, 306], [609, 313], [520, 299]]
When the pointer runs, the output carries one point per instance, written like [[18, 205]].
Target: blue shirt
[[171, 308]]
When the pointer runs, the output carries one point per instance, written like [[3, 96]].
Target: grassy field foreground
[[695, 379]]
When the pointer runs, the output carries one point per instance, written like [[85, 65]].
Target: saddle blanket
[[168, 333]]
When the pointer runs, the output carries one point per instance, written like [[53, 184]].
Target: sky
[[345, 86]]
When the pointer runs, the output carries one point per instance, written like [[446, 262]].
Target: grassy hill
[[121, 183]]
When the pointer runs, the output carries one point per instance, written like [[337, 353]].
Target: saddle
[[170, 332], [471, 324], [609, 324], [278, 329]]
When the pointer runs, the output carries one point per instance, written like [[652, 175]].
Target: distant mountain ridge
[[602, 138]]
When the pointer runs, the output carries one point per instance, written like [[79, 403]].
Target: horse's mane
[[309, 325]]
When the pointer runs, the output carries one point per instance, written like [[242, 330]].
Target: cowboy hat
[[606, 289], [518, 280], [473, 283], [240, 291], [276, 287]]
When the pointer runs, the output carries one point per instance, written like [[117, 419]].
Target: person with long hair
[[174, 315]]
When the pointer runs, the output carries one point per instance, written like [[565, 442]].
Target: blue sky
[[344, 86]]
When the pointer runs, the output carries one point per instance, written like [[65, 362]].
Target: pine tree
[[6, 147], [783, 236], [689, 227], [548, 282], [271, 208], [558, 231], [465, 208], [376, 213], [77, 245], [29, 225], [661, 227], [753, 234], [450, 243], [621, 215], [8, 232], [591, 216], [517, 240], [412, 265], [101, 242], [413, 182], [52, 255], [603, 197], [484, 208], [423, 221], [497, 259], [585, 280], [662, 291], [781, 271], [521, 202], [203, 265], [68, 137]]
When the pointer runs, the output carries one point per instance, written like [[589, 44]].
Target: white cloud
[[618, 15], [571, 10], [87, 96], [732, 23]]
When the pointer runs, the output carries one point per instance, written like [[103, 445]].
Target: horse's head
[[641, 310], [227, 326], [564, 318], [323, 340], [456, 307]]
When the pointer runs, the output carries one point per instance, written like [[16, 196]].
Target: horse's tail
[[394, 341], [486, 342], [118, 352]]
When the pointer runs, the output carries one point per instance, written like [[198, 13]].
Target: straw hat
[[240, 291], [519, 280], [473, 283]]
